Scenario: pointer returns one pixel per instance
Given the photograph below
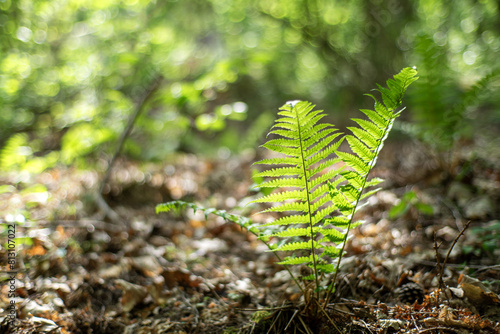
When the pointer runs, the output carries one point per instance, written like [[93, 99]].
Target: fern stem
[[312, 238]]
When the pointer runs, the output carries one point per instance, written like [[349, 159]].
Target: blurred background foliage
[[73, 71]]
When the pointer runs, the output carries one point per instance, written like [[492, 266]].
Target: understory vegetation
[[150, 182]]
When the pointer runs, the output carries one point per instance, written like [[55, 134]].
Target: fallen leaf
[[133, 294]]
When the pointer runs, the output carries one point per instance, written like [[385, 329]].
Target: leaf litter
[[187, 274]]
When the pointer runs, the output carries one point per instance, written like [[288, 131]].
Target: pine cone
[[411, 292]]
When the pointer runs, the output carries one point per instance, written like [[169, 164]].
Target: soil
[[77, 272]]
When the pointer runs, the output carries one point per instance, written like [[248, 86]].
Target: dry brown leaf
[[133, 294]]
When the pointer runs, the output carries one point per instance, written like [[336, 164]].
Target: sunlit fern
[[320, 187], [324, 180]]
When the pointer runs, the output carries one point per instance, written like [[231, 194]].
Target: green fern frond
[[288, 220], [295, 260], [282, 196], [298, 245], [278, 161], [284, 142], [366, 143], [292, 232], [325, 268], [329, 184], [177, 206], [310, 145], [283, 182], [320, 215], [279, 172], [295, 206]]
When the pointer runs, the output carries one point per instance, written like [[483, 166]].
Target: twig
[[100, 201], [366, 325], [289, 322], [454, 265], [454, 211], [453, 245], [441, 267], [415, 323], [308, 330], [253, 327], [274, 322], [329, 319], [441, 286]]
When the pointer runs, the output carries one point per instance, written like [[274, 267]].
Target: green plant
[[488, 236], [444, 112], [410, 201], [328, 185]]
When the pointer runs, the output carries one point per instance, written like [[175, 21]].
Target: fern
[[323, 179], [320, 186], [366, 143]]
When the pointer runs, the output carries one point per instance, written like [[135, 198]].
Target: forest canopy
[[72, 72]]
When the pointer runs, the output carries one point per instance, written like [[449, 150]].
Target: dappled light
[[110, 109]]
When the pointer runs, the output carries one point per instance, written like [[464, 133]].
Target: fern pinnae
[[366, 143], [311, 145], [308, 194]]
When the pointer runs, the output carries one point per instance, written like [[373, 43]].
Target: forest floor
[[167, 273]]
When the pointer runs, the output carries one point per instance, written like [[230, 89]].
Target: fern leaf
[[322, 178], [354, 162], [332, 251], [369, 193], [326, 268], [284, 142], [278, 161], [353, 178], [283, 182], [319, 192], [295, 260], [320, 215], [378, 119], [293, 232], [286, 124], [296, 206], [360, 149], [321, 134], [331, 234], [291, 151], [365, 143], [322, 143], [323, 154], [316, 129], [365, 137], [282, 196], [328, 181], [283, 171], [373, 182], [324, 165], [319, 203], [289, 220], [283, 133], [369, 127], [293, 246]]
